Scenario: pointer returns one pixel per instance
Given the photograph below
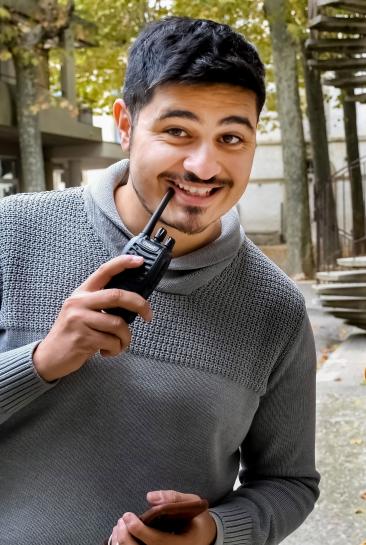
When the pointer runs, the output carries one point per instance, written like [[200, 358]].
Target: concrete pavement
[[339, 517]]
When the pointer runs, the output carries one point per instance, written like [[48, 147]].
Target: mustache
[[190, 177]]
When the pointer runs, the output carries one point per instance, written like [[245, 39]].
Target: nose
[[203, 162]]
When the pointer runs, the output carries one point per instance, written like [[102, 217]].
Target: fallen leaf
[[363, 495], [356, 441], [359, 511]]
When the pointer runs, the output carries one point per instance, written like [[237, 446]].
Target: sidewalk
[[339, 517]]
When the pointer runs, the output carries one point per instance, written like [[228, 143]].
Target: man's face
[[201, 141]]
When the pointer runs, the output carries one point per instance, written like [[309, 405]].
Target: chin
[[189, 226]]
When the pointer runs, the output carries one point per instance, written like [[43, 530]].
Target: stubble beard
[[189, 226]]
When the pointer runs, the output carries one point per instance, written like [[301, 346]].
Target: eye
[[176, 131], [231, 139]]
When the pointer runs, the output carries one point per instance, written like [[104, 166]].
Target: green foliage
[[100, 68], [8, 34], [245, 17], [4, 14], [108, 28]]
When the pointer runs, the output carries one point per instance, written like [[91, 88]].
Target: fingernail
[[154, 496], [136, 258], [127, 517]]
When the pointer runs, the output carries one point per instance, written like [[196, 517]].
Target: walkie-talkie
[[157, 255]]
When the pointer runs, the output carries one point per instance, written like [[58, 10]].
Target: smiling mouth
[[194, 190]]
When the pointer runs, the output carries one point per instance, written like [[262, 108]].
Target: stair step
[[350, 289], [351, 82], [347, 314], [358, 323], [346, 25], [359, 97], [342, 301], [339, 64], [343, 45], [342, 276], [352, 262], [352, 5]]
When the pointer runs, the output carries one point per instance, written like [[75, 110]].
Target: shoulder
[[26, 210], [37, 201], [259, 292], [266, 278]]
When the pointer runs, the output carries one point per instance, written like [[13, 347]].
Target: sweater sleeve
[[20, 383], [279, 482]]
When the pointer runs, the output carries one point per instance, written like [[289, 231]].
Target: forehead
[[205, 101]]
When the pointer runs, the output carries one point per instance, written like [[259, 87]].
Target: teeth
[[195, 190]]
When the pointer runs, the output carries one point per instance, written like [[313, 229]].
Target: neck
[[135, 217]]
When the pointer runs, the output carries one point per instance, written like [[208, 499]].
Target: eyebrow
[[186, 114], [242, 120]]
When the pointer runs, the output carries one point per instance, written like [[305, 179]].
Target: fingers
[[169, 496], [121, 535], [110, 298], [131, 530], [110, 345], [100, 278]]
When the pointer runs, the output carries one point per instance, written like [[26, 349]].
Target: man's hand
[[129, 530], [81, 329]]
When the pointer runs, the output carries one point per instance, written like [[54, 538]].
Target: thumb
[[158, 497]]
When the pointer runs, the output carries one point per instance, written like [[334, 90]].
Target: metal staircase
[[338, 43], [343, 293]]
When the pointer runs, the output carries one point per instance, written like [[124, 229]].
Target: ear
[[123, 121]]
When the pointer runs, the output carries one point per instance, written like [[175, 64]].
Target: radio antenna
[[158, 212]]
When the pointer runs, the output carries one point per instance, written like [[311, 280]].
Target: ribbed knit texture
[[223, 371]]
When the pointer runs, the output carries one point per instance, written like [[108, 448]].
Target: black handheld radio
[[157, 255]]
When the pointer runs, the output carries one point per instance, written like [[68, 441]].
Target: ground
[[339, 517]]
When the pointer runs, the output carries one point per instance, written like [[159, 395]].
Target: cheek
[[157, 156]]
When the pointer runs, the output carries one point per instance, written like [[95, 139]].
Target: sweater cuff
[[19, 380], [233, 524]]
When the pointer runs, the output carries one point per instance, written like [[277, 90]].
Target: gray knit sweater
[[223, 375]]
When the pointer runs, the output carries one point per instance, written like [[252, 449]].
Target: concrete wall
[[263, 203]]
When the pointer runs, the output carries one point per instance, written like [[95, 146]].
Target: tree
[[285, 48], [328, 245], [24, 33], [100, 70]]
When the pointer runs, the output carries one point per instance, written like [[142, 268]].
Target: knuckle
[[145, 305], [135, 526], [175, 496], [171, 495], [69, 302], [116, 322], [74, 316], [142, 304], [103, 267], [115, 295]]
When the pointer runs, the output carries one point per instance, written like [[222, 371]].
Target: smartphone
[[173, 517]]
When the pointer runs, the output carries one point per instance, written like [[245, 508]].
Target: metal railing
[[341, 183]]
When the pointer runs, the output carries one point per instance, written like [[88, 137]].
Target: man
[[99, 422]]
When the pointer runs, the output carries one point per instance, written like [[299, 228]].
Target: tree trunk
[[328, 247], [298, 232], [353, 156], [30, 141]]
